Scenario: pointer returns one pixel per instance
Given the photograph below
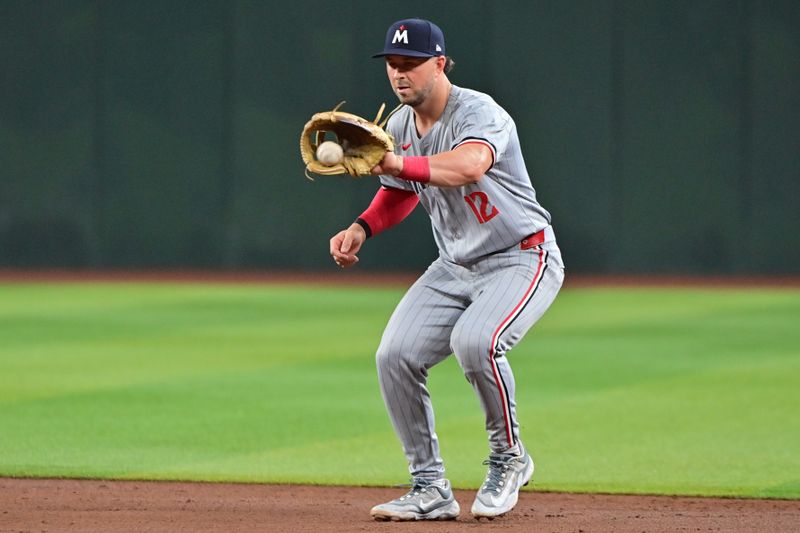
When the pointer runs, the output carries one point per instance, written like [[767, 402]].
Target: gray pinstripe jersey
[[476, 220]]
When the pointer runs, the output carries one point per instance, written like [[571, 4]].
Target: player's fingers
[[336, 242], [350, 261], [341, 259], [346, 261], [385, 166], [344, 247], [347, 242]]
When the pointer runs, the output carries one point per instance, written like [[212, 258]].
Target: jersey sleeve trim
[[478, 140]]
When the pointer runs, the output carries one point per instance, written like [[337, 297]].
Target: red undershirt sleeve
[[388, 208]]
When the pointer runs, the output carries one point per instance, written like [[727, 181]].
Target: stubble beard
[[415, 98]]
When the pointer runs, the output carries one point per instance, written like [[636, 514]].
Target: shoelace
[[498, 466], [418, 486]]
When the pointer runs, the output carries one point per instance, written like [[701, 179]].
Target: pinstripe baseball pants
[[477, 312]]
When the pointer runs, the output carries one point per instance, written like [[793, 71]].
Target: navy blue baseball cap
[[415, 38]]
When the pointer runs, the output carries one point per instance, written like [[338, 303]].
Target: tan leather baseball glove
[[364, 142]]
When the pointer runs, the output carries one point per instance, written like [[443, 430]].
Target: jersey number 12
[[483, 209]]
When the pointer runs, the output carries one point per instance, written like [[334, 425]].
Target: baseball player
[[499, 268]]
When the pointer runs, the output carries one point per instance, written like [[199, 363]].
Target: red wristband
[[416, 168]]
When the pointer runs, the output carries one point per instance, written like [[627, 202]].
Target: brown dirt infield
[[111, 506]]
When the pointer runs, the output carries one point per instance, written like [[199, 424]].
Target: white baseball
[[329, 153]]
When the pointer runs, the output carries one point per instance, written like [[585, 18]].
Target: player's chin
[[406, 96]]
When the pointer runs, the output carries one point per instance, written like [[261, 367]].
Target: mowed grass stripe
[[649, 390]]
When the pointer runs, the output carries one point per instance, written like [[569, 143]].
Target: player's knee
[[471, 348], [390, 352], [382, 357]]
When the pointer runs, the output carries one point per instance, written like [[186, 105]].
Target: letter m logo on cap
[[400, 35]]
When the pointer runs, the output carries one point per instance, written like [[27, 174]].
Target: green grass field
[[632, 390]]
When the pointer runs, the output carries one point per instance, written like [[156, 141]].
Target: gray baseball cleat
[[499, 493], [427, 500]]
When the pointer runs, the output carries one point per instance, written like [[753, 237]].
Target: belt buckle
[[532, 240]]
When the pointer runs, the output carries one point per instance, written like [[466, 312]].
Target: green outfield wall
[[662, 135]]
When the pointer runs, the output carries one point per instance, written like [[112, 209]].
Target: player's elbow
[[476, 165], [475, 170], [467, 164], [472, 176]]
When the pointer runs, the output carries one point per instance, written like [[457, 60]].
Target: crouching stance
[[499, 269]]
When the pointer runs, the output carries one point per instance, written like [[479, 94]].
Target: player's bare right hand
[[346, 244], [391, 164]]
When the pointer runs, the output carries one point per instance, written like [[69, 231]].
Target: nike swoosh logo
[[406, 146], [427, 507]]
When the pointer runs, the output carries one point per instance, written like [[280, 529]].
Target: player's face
[[412, 78]]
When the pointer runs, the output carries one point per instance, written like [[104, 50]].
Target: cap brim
[[403, 52]]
